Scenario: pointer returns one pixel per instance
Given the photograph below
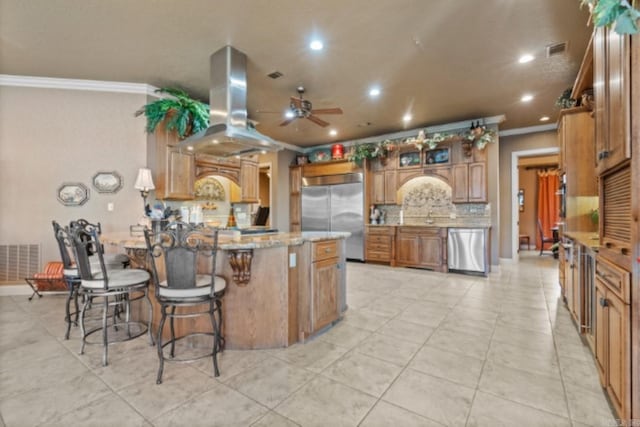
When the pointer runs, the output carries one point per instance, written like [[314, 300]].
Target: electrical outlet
[[110, 206]]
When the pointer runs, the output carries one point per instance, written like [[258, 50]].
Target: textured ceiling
[[441, 60]]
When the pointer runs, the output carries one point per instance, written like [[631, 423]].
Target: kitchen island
[[294, 287]]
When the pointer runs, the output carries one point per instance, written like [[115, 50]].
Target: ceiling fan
[[301, 108]]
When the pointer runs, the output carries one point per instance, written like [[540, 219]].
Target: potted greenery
[[182, 113]]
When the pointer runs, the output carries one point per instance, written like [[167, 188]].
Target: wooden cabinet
[[612, 61], [380, 244], [174, 171], [612, 340], [615, 216], [249, 178], [469, 183], [384, 187], [324, 284], [295, 198], [424, 247]]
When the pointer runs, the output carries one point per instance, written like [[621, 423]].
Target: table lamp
[[144, 183]]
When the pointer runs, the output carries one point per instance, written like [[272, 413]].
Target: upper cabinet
[[469, 183], [249, 177], [174, 170], [612, 59]]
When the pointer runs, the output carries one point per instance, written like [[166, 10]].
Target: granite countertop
[[231, 242], [436, 224], [585, 238]]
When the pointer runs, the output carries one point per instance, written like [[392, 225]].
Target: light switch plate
[[110, 206], [292, 260]]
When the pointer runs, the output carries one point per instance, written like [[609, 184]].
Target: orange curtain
[[548, 202]]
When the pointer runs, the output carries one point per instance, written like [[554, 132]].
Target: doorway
[[515, 188], [264, 188]]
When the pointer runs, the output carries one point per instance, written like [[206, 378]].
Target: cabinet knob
[[327, 250], [604, 302], [603, 154]]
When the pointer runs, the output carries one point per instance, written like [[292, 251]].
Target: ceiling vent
[[556, 49], [275, 75]]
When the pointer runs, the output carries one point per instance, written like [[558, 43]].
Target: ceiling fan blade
[[296, 101], [318, 121], [327, 111], [286, 122]]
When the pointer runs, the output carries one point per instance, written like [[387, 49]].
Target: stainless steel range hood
[[228, 133]]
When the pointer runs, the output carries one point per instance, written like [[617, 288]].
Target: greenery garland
[[184, 114], [622, 15], [480, 135]]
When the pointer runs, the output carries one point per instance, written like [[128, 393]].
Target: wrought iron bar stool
[[177, 253], [112, 287]]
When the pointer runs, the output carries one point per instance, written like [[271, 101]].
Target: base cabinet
[[380, 244], [424, 247], [612, 353], [325, 292], [320, 300]]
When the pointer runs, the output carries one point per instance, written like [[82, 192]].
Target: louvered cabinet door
[[615, 216]]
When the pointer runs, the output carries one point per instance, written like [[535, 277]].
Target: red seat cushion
[[51, 279]]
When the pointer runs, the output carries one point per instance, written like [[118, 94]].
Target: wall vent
[[275, 75], [556, 49], [18, 262]]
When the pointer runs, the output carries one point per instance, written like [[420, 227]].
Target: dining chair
[[543, 239], [183, 270]]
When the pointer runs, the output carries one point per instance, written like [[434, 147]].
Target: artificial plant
[[183, 114], [622, 15]]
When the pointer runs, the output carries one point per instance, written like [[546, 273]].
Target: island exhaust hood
[[228, 133]]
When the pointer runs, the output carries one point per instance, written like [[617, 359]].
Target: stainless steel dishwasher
[[467, 250]]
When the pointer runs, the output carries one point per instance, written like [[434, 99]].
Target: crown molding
[[77, 84], [530, 129]]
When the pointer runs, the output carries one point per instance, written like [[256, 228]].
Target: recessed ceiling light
[[189, 147], [544, 118], [333, 132], [407, 117], [526, 98], [263, 152], [289, 114], [316, 45], [374, 92], [526, 58], [215, 141]]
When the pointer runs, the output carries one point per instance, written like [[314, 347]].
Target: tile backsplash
[[430, 198]]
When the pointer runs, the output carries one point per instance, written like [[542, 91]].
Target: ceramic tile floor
[[416, 348]]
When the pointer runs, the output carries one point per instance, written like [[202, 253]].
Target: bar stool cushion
[[202, 288], [118, 279]]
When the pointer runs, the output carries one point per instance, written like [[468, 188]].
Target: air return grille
[[556, 49], [18, 262]]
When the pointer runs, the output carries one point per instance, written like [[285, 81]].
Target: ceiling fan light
[[289, 114], [374, 92]]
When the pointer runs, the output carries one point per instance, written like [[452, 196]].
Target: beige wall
[[51, 136], [508, 145]]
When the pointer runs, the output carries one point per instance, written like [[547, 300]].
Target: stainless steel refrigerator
[[336, 203]]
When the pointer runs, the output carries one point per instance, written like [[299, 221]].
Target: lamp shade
[[144, 182]]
